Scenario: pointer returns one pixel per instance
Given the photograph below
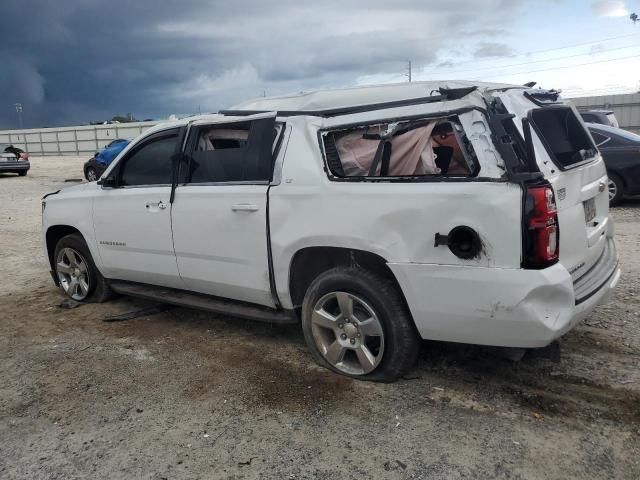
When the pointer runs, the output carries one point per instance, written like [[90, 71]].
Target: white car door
[[219, 213], [132, 214]]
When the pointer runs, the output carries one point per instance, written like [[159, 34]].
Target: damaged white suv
[[375, 216]]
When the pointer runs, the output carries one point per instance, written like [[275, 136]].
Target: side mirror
[[108, 182]]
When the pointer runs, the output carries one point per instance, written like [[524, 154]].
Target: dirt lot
[[184, 394]]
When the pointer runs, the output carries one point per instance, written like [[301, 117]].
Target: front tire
[[356, 323], [77, 274], [616, 189]]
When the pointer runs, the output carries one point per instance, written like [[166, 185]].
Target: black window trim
[[166, 132], [473, 176], [187, 147]]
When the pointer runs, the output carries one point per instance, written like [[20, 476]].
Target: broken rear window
[[563, 135], [410, 149]]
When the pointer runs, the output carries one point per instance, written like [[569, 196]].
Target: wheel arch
[[52, 237], [309, 262], [619, 175]]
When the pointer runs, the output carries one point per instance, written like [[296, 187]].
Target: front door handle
[[161, 205], [244, 207]]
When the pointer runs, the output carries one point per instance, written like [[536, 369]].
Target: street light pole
[[19, 112]]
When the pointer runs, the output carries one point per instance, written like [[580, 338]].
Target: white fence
[[88, 139], [71, 140], [625, 106]]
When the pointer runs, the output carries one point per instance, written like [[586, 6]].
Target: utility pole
[[19, 112], [408, 74]]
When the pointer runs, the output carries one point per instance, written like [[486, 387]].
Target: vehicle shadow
[[537, 383], [630, 202]]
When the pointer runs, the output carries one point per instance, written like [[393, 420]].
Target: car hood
[[74, 190]]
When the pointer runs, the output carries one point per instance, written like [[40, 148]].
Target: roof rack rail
[[335, 112]]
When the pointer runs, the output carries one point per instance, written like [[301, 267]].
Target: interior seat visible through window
[[223, 153], [401, 149], [219, 155]]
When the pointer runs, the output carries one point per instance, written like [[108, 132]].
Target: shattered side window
[[231, 152], [401, 149], [219, 154]]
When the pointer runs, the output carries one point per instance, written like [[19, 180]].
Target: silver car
[[13, 160]]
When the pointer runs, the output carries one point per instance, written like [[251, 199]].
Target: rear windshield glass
[[563, 135]]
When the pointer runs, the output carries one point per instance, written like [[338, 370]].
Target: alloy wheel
[[613, 189], [73, 273], [91, 174], [348, 333]]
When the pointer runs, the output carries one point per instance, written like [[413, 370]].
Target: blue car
[[95, 166]]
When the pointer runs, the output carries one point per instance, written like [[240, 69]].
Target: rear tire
[[616, 189], [23, 173], [356, 323], [76, 271]]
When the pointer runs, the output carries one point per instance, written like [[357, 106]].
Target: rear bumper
[[598, 275], [495, 306], [17, 166]]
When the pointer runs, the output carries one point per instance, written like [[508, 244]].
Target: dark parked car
[[603, 117], [13, 160], [621, 153], [96, 165]]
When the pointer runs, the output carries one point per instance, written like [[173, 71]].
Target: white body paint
[[203, 243]]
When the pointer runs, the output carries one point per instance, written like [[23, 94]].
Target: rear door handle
[[244, 207]]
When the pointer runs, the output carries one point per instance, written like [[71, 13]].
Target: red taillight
[[541, 243], [24, 156]]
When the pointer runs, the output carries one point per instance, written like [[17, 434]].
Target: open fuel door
[[219, 214]]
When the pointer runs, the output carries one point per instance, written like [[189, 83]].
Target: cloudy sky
[[76, 61]]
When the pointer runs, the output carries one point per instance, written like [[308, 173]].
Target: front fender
[[71, 208]]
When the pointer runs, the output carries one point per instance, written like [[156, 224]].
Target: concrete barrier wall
[[86, 140], [81, 140]]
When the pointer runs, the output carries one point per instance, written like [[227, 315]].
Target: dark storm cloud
[[82, 60]]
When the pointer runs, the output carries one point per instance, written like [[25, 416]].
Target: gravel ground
[[185, 394]]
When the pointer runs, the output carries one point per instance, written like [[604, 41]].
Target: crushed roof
[[356, 96]]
